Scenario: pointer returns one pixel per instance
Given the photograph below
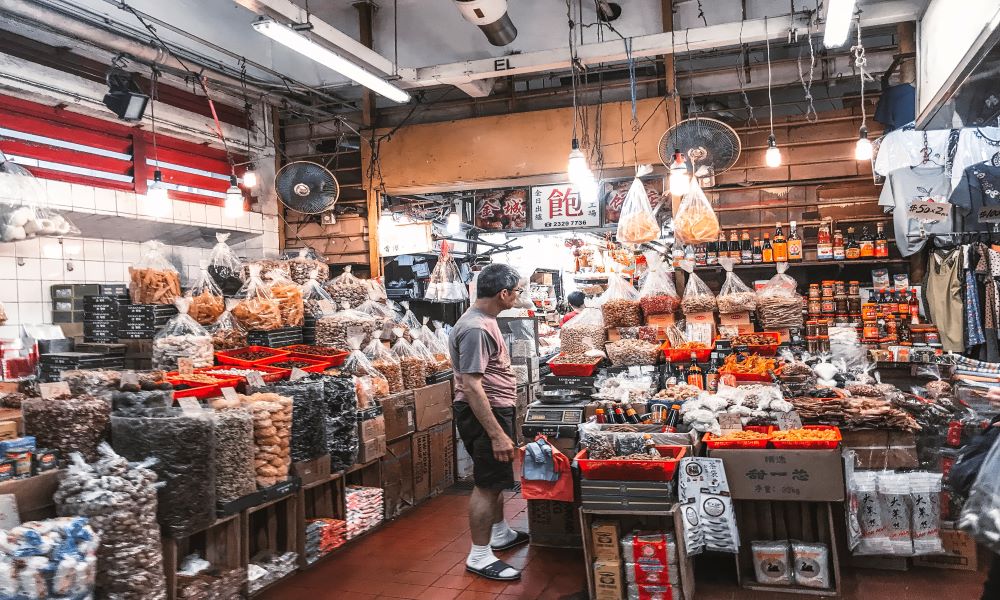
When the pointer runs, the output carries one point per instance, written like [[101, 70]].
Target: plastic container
[[714, 443], [748, 377], [684, 354], [767, 349], [229, 356], [811, 445], [200, 391], [632, 470], [313, 365], [270, 375], [573, 369], [335, 358]]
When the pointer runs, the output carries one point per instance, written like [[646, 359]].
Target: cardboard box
[[604, 536], [554, 524], [803, 475], [8, 430], [663, 320], [882, 449], [741, 321], [310, 471], [442, 453], [960, 553], [399, 418], [371, 450], [371, 428], [608, 583], [33, 494], [397, 477], [421, 456], [432, 405]]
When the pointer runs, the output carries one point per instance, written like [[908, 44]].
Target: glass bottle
[[914, 308], [780, 245], [881, 243], [712, 374], [852, 250], [694, 373], [866, 245], [824, 242], [766, 251], [794, 243], [712, 253], [701, 255], [839, 252], [757, 255], [734, 247]]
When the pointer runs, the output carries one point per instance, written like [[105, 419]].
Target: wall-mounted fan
[[708, 145], [306, 187]]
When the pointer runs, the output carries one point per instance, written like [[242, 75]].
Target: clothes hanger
[[927, 153]]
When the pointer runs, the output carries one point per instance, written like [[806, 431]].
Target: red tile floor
[[421, 555]]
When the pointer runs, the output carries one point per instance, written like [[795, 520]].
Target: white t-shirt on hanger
[[903, 148], [975, 145]]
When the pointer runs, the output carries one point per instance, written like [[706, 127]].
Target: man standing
[[485, 396]]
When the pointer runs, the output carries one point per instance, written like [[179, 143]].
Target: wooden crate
[[273, 526], [319, 500], [220, 545], [801, 521], [368, 474]]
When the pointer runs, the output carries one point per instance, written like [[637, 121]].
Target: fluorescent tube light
[[838, 22]]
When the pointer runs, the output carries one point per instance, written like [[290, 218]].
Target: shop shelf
[[311, 365], [632, 470], [811, 444], [231, 357], [269, 374], [573, 369], [333, 356], [714, 443], [676, 355]]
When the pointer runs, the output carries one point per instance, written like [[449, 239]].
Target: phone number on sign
[[564, 224]]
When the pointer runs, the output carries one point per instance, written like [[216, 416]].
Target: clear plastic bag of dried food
[[658, 294], [698, 297], [130, 403], [632, 353], [184, 447], [308, 433], [347, 288], [696, 221], [68, 425], [734, 296], [316, 300], [445, 284], [980, 515], [289, 297], [437, 348], [257, 309], [152, 279], [306, 264], [637, 224], [583, 332], [620, 303], [23, 214], [335, 330], [234, 454], [226, 332], [370, 382], [377, 290], [182, 337], [207, 303], [778, 304], [224, 266], [386, 363], [377, 310], [408, 319], [340, 419], [435, 364], [414, 366]]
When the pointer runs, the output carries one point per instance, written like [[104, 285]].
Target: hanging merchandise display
[[224, 266], [445, 284], [153, 280], [637, 224], [778, 304], [658, 294], [306, 264], [347, 288], [206, 298], [734, 296], [917, 197], [696, 221], [698, 297]]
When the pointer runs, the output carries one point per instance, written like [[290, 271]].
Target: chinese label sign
[[615, 192], [503, 210], [562, 207], [403, 238]]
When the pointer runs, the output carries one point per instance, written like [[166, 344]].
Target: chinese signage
[[503, 210], [396, 238], [614, 193], [562, 207]]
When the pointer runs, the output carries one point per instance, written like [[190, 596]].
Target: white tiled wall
[[29, 267]]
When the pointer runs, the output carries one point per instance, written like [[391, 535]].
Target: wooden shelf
[[624, 512], [840, 264], [332, 477]]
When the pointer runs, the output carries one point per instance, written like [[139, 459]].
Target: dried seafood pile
[[854, 413]]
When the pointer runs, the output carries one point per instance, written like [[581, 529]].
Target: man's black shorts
[[487, 472]]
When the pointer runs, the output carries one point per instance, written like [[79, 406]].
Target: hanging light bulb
[[454, 223], [250, 177], [680, 179], [157, 202], [233, 206], [863, 149], [772, 157], [577, 168]]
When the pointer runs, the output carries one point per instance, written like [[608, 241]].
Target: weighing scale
[[554, 420]]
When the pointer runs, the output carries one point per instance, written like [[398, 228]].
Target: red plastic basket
[[333, 356], [715, 443], [810, 445], [767, 349], [311, 365], [221, 381], [200, 391], [573, 369], [632, 470], [677, 355], [270, 375], [748, 377], [229, 357]]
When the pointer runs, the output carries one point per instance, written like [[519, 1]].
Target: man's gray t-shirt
[[904, 186], [477, 347]]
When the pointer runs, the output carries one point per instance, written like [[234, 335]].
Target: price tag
[[789, 420], [730, 422], [741, 349], [230, 394], [327, 307], [185, 365], [190, 406], [52, 390], [929, 211], [989, 214], [255, 380], [297, 374]]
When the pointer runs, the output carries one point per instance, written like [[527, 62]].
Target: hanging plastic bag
[[778, 304], [446, 283], [408, 320], [658, 294], [289, 297], [306, 265], [224, 266], [226, 332], [153, 280], [23, 213], [583, 332], [370, 384], [316, 301], [206, 298], [182, 337], [696, 221], [347, 288], [637, 224], [387, 364], [620, 304], [414, 366], [257, 309], [735, 296], [698, 297]]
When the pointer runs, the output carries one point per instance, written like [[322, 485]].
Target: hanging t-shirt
[[903, 187], [904, 148], [897, 106], [975, 145], [979, 187]]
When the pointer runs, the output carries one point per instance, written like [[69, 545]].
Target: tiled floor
[[421, 556]]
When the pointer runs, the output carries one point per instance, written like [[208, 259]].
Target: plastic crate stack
[[365, 510], [651, 566], [324, 536]]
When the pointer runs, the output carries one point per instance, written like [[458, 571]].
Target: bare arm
[[472, 385]]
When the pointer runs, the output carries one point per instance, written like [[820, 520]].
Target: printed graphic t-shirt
[[978, 188], [903, 187], [477, 347]]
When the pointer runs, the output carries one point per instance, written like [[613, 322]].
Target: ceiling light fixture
[[863, 147], [124, 97], [577, 167], [156, 202], [250, 177], [772, 158], [306, 47], [838, 22], [454, 224], [680, 178], [233, 207]]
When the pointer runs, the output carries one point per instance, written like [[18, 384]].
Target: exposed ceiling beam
[[480, 88]]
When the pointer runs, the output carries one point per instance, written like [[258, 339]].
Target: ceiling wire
[[770, 103], [811, 115], [860, 61], [742, 60]]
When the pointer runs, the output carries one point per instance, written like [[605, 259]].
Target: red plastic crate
[[679, 355], [715, 443], [200, 391], [229, 357], [335, 358], [221, 381], [748, 377], [312, 365], [811, 445], [270, 374], [573, 369], [767, 349], [632, 470]]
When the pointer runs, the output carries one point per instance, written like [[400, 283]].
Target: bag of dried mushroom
[[414, 366], [335, 329], [206, 299], [620, 303], [637, 224], [695, 222], [224, 266], [387, 364], [347, 288], [289, 297], [778, 304], [226, 332], [153, 280], [257, 309], [583, 332], [698, 296], [306, 265], [734, 296], [658, 294], [369, 383], [316, 300], [182, 336]]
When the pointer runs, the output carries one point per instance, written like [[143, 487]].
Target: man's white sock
[[482, 556], [502, 534]]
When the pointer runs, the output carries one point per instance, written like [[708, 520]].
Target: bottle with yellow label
[[794, 243], [779, 245]]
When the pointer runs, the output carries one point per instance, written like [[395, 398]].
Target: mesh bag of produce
[[183, 445], [347, 288], [153, 280], [257, 309], [696, 222], [316, 300], [583, 332], [226, 332], [289, 297], [637, 223], [206, 298], [658, 294], [734, 296], [66, 424], [413, 365], [306, 265], [620, 304], [224, 266], [308, 433], [698, 296], [778, 304], [387, 364], [445, 284], [370, 383], [234, 475], [336, 329], [182, 337]]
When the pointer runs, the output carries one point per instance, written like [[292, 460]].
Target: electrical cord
[[860, 61], [770, 103]]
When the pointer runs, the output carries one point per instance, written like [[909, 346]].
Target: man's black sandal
[[493, 570], [521, 538]]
